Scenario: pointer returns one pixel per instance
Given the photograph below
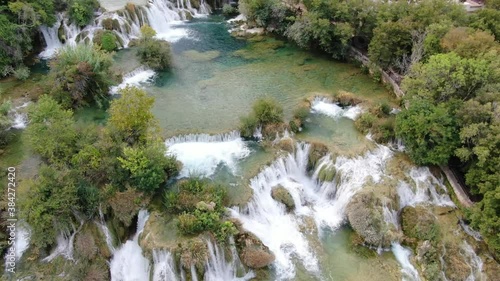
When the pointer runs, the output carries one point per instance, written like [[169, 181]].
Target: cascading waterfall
[[424, 190], [201, 154], [218, 269], [471, 232], [164, 267], [23, 237], [65, 245], [390, 216], [474, 262], [159, 14], [325, 202], [128, 263], [403, 257], [137, 78], [105, 231], [325, 106]]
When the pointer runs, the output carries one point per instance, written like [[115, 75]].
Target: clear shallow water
[[216, 78]]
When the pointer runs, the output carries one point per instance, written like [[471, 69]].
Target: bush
[[267, 111], [5, 122], [106, 40], [248, 124], [22, 73], [81, 75], [365, 122], [154, 54], [81, 12], [228, 10]]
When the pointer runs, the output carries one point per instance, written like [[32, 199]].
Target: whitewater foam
[[137, 77], [403, 257], [128, 262], [201, 154], [325, 106]]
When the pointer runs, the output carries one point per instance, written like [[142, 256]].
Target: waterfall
[[164, 267], [128, 263], [202, 153], [65, 245], [403, 257], [424, 190], [23, 237], [326, 107], [474, 262], [471, 232], [105, 231], [218, 269], [159, 14], [390, 216], [137, 78], [325, 202]]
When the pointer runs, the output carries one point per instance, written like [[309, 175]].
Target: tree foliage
[[81, 76], [81, 12]]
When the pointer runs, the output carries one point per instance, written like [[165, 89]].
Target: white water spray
[[137, 78], [325, 202], [128, 263], [65, 245], [474, 262], [326, 107], [423, 190], [201, 154], [403, 257]]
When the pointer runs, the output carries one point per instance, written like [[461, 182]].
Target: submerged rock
[[253, 253], [282, 195]]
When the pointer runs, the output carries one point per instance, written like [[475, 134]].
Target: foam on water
[[201, 154], [324, 202], [137, 77], [164, 267], [423, 190], [19, 116], [325, 106], [403, 257], [128, 262], [474, 262], [65, 245], [23, 237]]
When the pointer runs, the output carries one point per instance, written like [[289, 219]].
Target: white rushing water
[[65, 245], [19, 116], [423, 190], [324, 202], [23, 237], [474, 262], [471, 232], [137, 78], [163, 16], [325, 106], [164, 267], [403, 255], [201, 154], [128, 262]]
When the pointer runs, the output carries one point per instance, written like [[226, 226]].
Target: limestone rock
[[253, 253], [282, 195]]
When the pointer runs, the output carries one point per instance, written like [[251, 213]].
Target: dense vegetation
[[265, 113], [85, 165], [153, 53], [448, 63]]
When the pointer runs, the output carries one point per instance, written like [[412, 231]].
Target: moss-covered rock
[[345, 98], [456, 268], [194, 252], [107, 23], [126, 205], [316, 152], [365, 217], [253, 253], [282, 195], [61, 34], [287, 144], [419, 223], [327, 173], [428, 259]]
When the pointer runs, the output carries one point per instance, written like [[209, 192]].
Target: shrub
[[22, 72], [267, 111], [248, 124], [5, 122], [228, 10], [81, 12], [147, 32], [365, 122], [108, 41], [154, 54], [81, 76]]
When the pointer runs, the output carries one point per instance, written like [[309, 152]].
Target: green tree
[[154, 53], [467, 42], [447, 76], [51, 132], [148, 166], [487, 20], [82, 11], [390, 42], [81, 76], [49, 206], [5, 122], [131, 117], [428, 131]]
